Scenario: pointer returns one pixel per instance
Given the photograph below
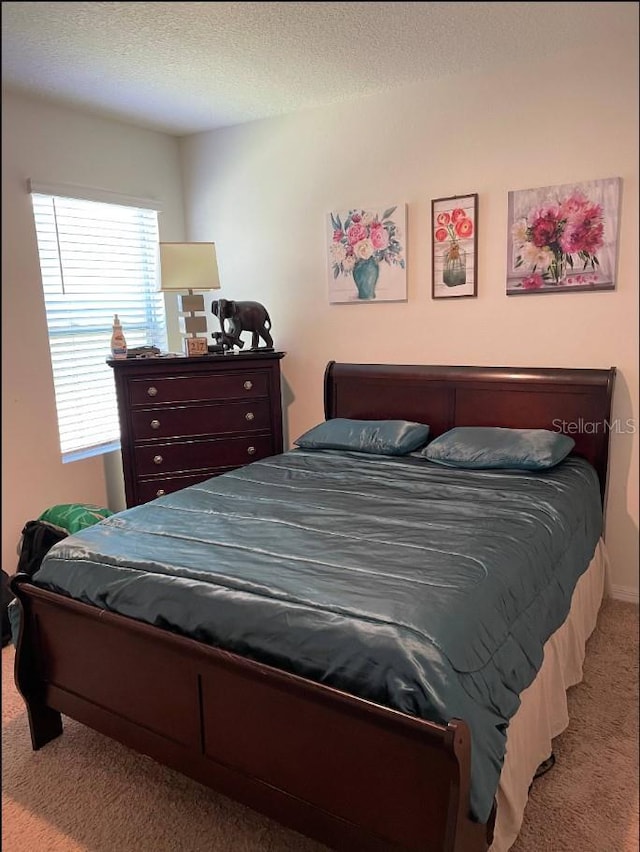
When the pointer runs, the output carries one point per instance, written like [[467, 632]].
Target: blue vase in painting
[[365, 274]]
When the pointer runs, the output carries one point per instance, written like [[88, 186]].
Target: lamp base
[[194, 346]]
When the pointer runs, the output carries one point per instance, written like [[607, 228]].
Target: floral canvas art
[[454, 248], [366, 259], [563, 238]]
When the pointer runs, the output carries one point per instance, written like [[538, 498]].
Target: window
[[97, 259]]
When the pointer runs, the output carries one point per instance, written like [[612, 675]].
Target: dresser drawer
[[149, 489], [185, 388], [192, 420], [201, 454]]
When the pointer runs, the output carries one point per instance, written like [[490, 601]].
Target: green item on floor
[[74, 517]]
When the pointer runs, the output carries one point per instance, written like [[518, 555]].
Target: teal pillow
[[496, 447], [383, 437]]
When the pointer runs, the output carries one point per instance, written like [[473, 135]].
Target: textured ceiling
[[185, 67]]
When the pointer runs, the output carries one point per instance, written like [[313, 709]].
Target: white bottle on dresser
[[118, 343]]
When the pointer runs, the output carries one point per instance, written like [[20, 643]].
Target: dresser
[[184, 420]]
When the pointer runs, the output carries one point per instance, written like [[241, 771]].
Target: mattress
[[426, 589]]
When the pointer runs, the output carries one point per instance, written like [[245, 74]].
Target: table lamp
[[190, 266]]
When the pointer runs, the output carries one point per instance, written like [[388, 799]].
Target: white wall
[[63, 146], [262, 191]]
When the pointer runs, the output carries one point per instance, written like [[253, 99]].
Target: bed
[[360, 771]]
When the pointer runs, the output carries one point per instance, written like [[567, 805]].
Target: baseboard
[[624, 593]]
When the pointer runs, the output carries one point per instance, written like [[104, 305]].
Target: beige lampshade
[[188, 266]]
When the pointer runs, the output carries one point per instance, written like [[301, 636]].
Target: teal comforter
[[427, 589]]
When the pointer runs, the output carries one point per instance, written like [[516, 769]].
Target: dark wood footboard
[[348, 772]]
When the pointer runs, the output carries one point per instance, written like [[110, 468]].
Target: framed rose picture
[[454, 254], [563, 238], [366, 254]]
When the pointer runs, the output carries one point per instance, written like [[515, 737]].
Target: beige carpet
[[86, 792]]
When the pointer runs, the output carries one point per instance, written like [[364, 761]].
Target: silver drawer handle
[[155, 424], [248, 385], [251, 450], [159, 492], [157, 459], [249, 415], [152, 391]]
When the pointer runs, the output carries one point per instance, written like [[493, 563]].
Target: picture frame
[[454, 246], [366, 254], [563, 238], [195, 347]]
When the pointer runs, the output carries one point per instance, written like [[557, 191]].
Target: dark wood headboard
[[576, 402]]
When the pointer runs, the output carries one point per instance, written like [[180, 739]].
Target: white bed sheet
[[543, 712]]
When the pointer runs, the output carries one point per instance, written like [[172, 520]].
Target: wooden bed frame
[[353, 774]]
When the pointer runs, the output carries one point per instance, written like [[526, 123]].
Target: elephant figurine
[[236, 317]]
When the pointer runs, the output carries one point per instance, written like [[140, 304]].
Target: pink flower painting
[[367, 255], [563, 237]]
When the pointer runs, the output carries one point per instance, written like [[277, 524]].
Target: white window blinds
[[97, 259]]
